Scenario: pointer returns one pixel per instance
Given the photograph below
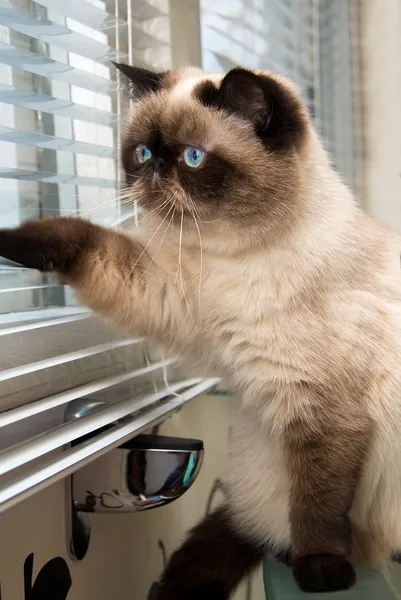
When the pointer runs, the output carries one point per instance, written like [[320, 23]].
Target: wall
[[379, 28]]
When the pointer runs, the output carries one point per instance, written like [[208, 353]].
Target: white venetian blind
[[61, 115], [276, 35], [311, 41]]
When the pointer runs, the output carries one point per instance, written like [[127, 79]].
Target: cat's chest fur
[[270, 326], [256, 321]]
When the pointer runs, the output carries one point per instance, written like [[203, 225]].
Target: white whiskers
[[194, 214], [172, 208], [180, 271], [146, 247], [200, 268]]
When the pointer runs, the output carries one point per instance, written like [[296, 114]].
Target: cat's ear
[[138, 81], [241, 93], [270, 102]]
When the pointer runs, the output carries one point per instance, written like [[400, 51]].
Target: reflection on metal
[[146, 472], [82, 407]]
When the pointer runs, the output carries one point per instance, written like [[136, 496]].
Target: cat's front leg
[[111, 272], [324, 460]]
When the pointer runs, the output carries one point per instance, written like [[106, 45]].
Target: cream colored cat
[[256, 260]]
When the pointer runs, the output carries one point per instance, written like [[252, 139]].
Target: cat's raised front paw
[[48, 244], [323, 573]]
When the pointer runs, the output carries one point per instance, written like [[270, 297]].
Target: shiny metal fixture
[[146, 472]]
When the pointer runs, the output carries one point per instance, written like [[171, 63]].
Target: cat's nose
[[159, 163]]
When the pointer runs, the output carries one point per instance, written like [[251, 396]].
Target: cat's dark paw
[[323, 573], [46, 245]]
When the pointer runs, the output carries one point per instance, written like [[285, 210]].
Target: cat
[[254, 259]]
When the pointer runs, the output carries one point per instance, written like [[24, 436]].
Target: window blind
[[61, 115], [310, 41], [340, 86]]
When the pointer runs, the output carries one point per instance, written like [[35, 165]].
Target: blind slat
[[35, 408], [60, 178], [40, 314], [62, 359], [28, 287], [47, 67], [52, 105], [31, 449], [39, 325], [41, 140]]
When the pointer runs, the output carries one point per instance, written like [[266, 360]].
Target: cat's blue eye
[[193, 157], [142, 153]]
